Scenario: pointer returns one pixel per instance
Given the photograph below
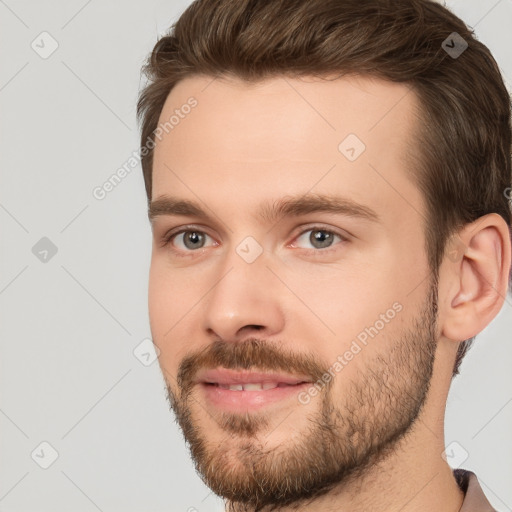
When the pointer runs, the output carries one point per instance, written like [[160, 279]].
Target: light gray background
[[69, 326]]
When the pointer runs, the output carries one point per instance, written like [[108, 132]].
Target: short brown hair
[[463, 154]]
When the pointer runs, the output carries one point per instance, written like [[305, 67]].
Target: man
[[326, 183]]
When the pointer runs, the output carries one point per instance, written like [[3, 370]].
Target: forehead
[[241, 142]]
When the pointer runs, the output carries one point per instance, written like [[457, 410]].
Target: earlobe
[[479, 277]]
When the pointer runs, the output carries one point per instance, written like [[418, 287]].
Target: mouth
[[251, 386], [237, 390], [246, 380]]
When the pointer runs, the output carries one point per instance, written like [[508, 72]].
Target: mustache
[[249, 354]]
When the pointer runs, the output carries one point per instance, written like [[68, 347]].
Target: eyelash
[[167, 238]]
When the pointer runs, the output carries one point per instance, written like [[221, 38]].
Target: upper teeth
[[249, 387]]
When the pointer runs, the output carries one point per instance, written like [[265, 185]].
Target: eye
[[186, 240], [319, 237], [189, 240]]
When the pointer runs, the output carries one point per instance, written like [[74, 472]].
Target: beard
[[346, 435]]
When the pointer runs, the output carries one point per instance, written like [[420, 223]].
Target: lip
[[228, 377], [248, 400]]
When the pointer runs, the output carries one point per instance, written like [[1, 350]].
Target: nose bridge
[[243, 293], [243, 265]]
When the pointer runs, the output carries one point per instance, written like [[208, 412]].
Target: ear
[[477, 267]]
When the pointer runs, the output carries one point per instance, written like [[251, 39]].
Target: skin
[[248, 143]]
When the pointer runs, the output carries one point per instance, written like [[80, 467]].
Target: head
[[260, 112]]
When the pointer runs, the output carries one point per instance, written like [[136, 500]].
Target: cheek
[[158, 298], [163, 298], [167, 301], [173, 294], [340, 300], [169, 290], [353, 315]]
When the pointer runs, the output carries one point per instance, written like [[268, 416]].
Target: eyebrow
[[270, 212]]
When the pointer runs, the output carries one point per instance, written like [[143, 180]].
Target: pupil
[[192, 238], [321, 237]]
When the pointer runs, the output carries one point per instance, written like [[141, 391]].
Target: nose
[[246, 300]]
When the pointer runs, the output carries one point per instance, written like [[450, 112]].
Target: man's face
[[341, 297]]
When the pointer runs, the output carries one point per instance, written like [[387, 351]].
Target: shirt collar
[[474, 500]]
